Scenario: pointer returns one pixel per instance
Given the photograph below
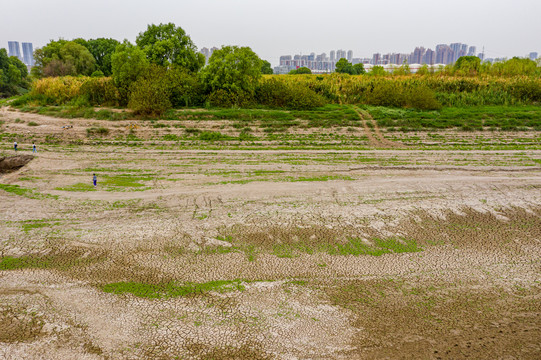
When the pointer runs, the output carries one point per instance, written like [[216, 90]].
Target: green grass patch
[[28, 225], [318, 178], [25, 262], [78, 187], [354, 246], [111, 183], [25, 192], [472, 118], [169, 290]]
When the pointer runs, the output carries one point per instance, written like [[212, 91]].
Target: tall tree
[[345, 67], [266, 68], [167, 44], [101, 49], [128, 63], [468, 65], [13, 74], [62, 57], [232, 68]]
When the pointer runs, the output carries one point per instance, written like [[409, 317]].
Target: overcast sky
[[272, 28]]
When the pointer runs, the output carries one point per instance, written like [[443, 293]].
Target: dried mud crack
[[211, 253]]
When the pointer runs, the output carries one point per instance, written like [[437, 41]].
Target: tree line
[[163, 69]]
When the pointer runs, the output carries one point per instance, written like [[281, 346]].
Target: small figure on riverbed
[[34, 149], [15, 146], [94, 179]]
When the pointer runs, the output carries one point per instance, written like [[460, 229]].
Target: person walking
[[95, 180], [34, 150], [15, 146]]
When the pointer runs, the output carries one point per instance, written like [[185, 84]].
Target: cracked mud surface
[[204, 254]]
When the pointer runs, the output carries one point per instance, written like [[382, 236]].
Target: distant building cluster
[[208, 53], [28, 52], [443, 55], [317, 63]]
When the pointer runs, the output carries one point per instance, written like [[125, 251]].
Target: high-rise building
[[376, 58], [332, 55], [14, 49], [444, 54], [28, 54], [350, 55], [430, 57], [472, 50], [533, 56], [418, 54]]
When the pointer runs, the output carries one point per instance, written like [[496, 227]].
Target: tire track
[[375, 137]]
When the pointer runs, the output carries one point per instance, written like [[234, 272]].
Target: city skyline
[[444, 54]]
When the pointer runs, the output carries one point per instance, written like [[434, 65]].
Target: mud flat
[[218, 252]]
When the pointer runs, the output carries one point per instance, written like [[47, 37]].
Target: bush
[[422, 98], [295, 96], [150, 93], [97, 131], [100, 91], [58, 89], [386, 93], [227, 98], [396, 94], [33, 123], [186, 89], [527, 90], [212, 136]]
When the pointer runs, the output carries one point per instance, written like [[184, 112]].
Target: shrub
[[288, 95], [386, 93], [150, 93], [58, 89], [422, 98], [97, 74], [228, 98], [186, 89], [33, 123], [212, 136], [97, 131], [100, 91]]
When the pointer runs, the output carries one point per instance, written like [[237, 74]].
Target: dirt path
[[378, 140]]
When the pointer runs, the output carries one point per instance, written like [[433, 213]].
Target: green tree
[[167, 44], [300, 71], [515, 66], [13, 75], [359, 69], [378, 71], [232, 68], [345, 67], [150, 93], [468, 65], [266, 68], [20, 65], [101, 49], [128, 62], [59, 58]]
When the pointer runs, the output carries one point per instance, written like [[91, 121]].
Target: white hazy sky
[[278, 27]]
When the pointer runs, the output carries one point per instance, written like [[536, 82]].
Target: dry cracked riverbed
[[209, 254]]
